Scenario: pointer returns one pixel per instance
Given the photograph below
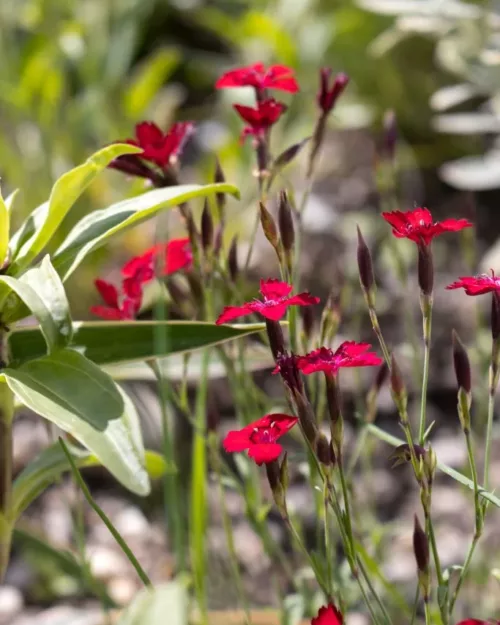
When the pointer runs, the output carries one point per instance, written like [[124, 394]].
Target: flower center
[[263, 435]]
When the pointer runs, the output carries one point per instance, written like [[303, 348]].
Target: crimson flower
[[348, 354], [275, 302], [177, 255], [260, 119], [475, 621], [260, 78], [327, 96], [160, 150], [418, 225], [328, 615], [477, 285], [260, 437], [119, 305]]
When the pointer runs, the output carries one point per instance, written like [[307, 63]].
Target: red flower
[[328, 615], [418, 226], [159, 149], [327, 96], [261, 118], [276, 301], [477, 285], [177, 256], [475, 621], [260, 437], [348, 354], [124, 305], [260, 78]]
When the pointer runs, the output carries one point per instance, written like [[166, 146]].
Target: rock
[[131, 522], [122, 590], [450, 448], [357, 618], [11, 603], [106, 563]]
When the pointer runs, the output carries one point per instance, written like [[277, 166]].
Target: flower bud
[[220, 198], [425, 269], [365, 266], [285, 220], [232, 260], [269, 227], [421, 551], [461, 363], [324, 451], [276, 338], [398, 387], [430, 465], [330, 319], [219, 235], [207, 229], [327, 96], [274, 477]]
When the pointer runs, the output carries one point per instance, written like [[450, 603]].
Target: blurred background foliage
[[76, 75]]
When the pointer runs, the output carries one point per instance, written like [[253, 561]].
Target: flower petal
[[148, 133], [328, 615], [110, 314], [265, 452], [233, 312], [303, 299], [274, 289], [108, 292], [237, 440], [274, 312]]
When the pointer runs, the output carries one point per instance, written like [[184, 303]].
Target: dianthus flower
[[176, 254], [418, 225], [328, 615], [348, 354], [257, 76], [120, 304], [477, 285], [160, 150], [260, 437], [275, 302], [260, 119]]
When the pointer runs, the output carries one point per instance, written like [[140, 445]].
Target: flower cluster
[[125, 302]]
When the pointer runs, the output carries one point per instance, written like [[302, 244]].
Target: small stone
[[131, 522], [122, 590], [357, 618], [11, 603], [105, 563]]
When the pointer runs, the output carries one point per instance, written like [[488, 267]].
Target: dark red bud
[[273, 474], [220, 198], [219, 235], [461, 363], [207, 228], [425, 269], [307, 314], [276, 338], [420, 547], [327, 97], [397, 383], [365, 264], [381, 376], [289, 371], [232, 260], [285, 220], [269, 226], [324, 450]]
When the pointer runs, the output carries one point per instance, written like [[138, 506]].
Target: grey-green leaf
[[166, 603]]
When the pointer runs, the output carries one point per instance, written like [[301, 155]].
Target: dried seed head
[[461, 363], [269, 226], [285, 219], [425, 269], [365, 266], [307, 315]]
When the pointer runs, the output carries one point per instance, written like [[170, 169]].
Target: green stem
[[493, 374], [427, 327], [372, 589], [415, 605], [463, 573], [328, 546], [427, 613], [378, 332], [6, 522], [435, 554], [104, 518]]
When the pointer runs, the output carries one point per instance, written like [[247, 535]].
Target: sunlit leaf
[[150, 606]]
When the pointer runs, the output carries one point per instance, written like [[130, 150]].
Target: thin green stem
[[372, 589], [6, 522], [328, 546], [435, 554], [427, 328], [427, 613], [378, 332], [489, 425], [347, 505], [463, 572], [367, 601], [415, 605], [104, 518]]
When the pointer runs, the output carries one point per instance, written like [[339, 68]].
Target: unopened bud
[[273, 471], [207, 229], [421, 551], [276, 338], [324, 450], [461, 363], [220, 198], [219, 235], [269, 227], [398, 389], [425, 269], [365, 266], [430, 465], [285, 219], [330, 319], [327, 96], [232, 260]]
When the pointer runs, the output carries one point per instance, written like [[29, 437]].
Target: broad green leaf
[[52, 462], [69, 390], [45, 281], [456, 475], [109, 342], [49, 328], [4, 230], [96, 229], [64, 194], [165, 603], [9, 201]]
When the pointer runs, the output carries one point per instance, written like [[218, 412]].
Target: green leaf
[[456, 475], [52, 462], [47, 218], [151, 606], [109, 342], [4, 230], [53, 334], [45, 281], [9, 201], [69, 390], [96, 229]]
